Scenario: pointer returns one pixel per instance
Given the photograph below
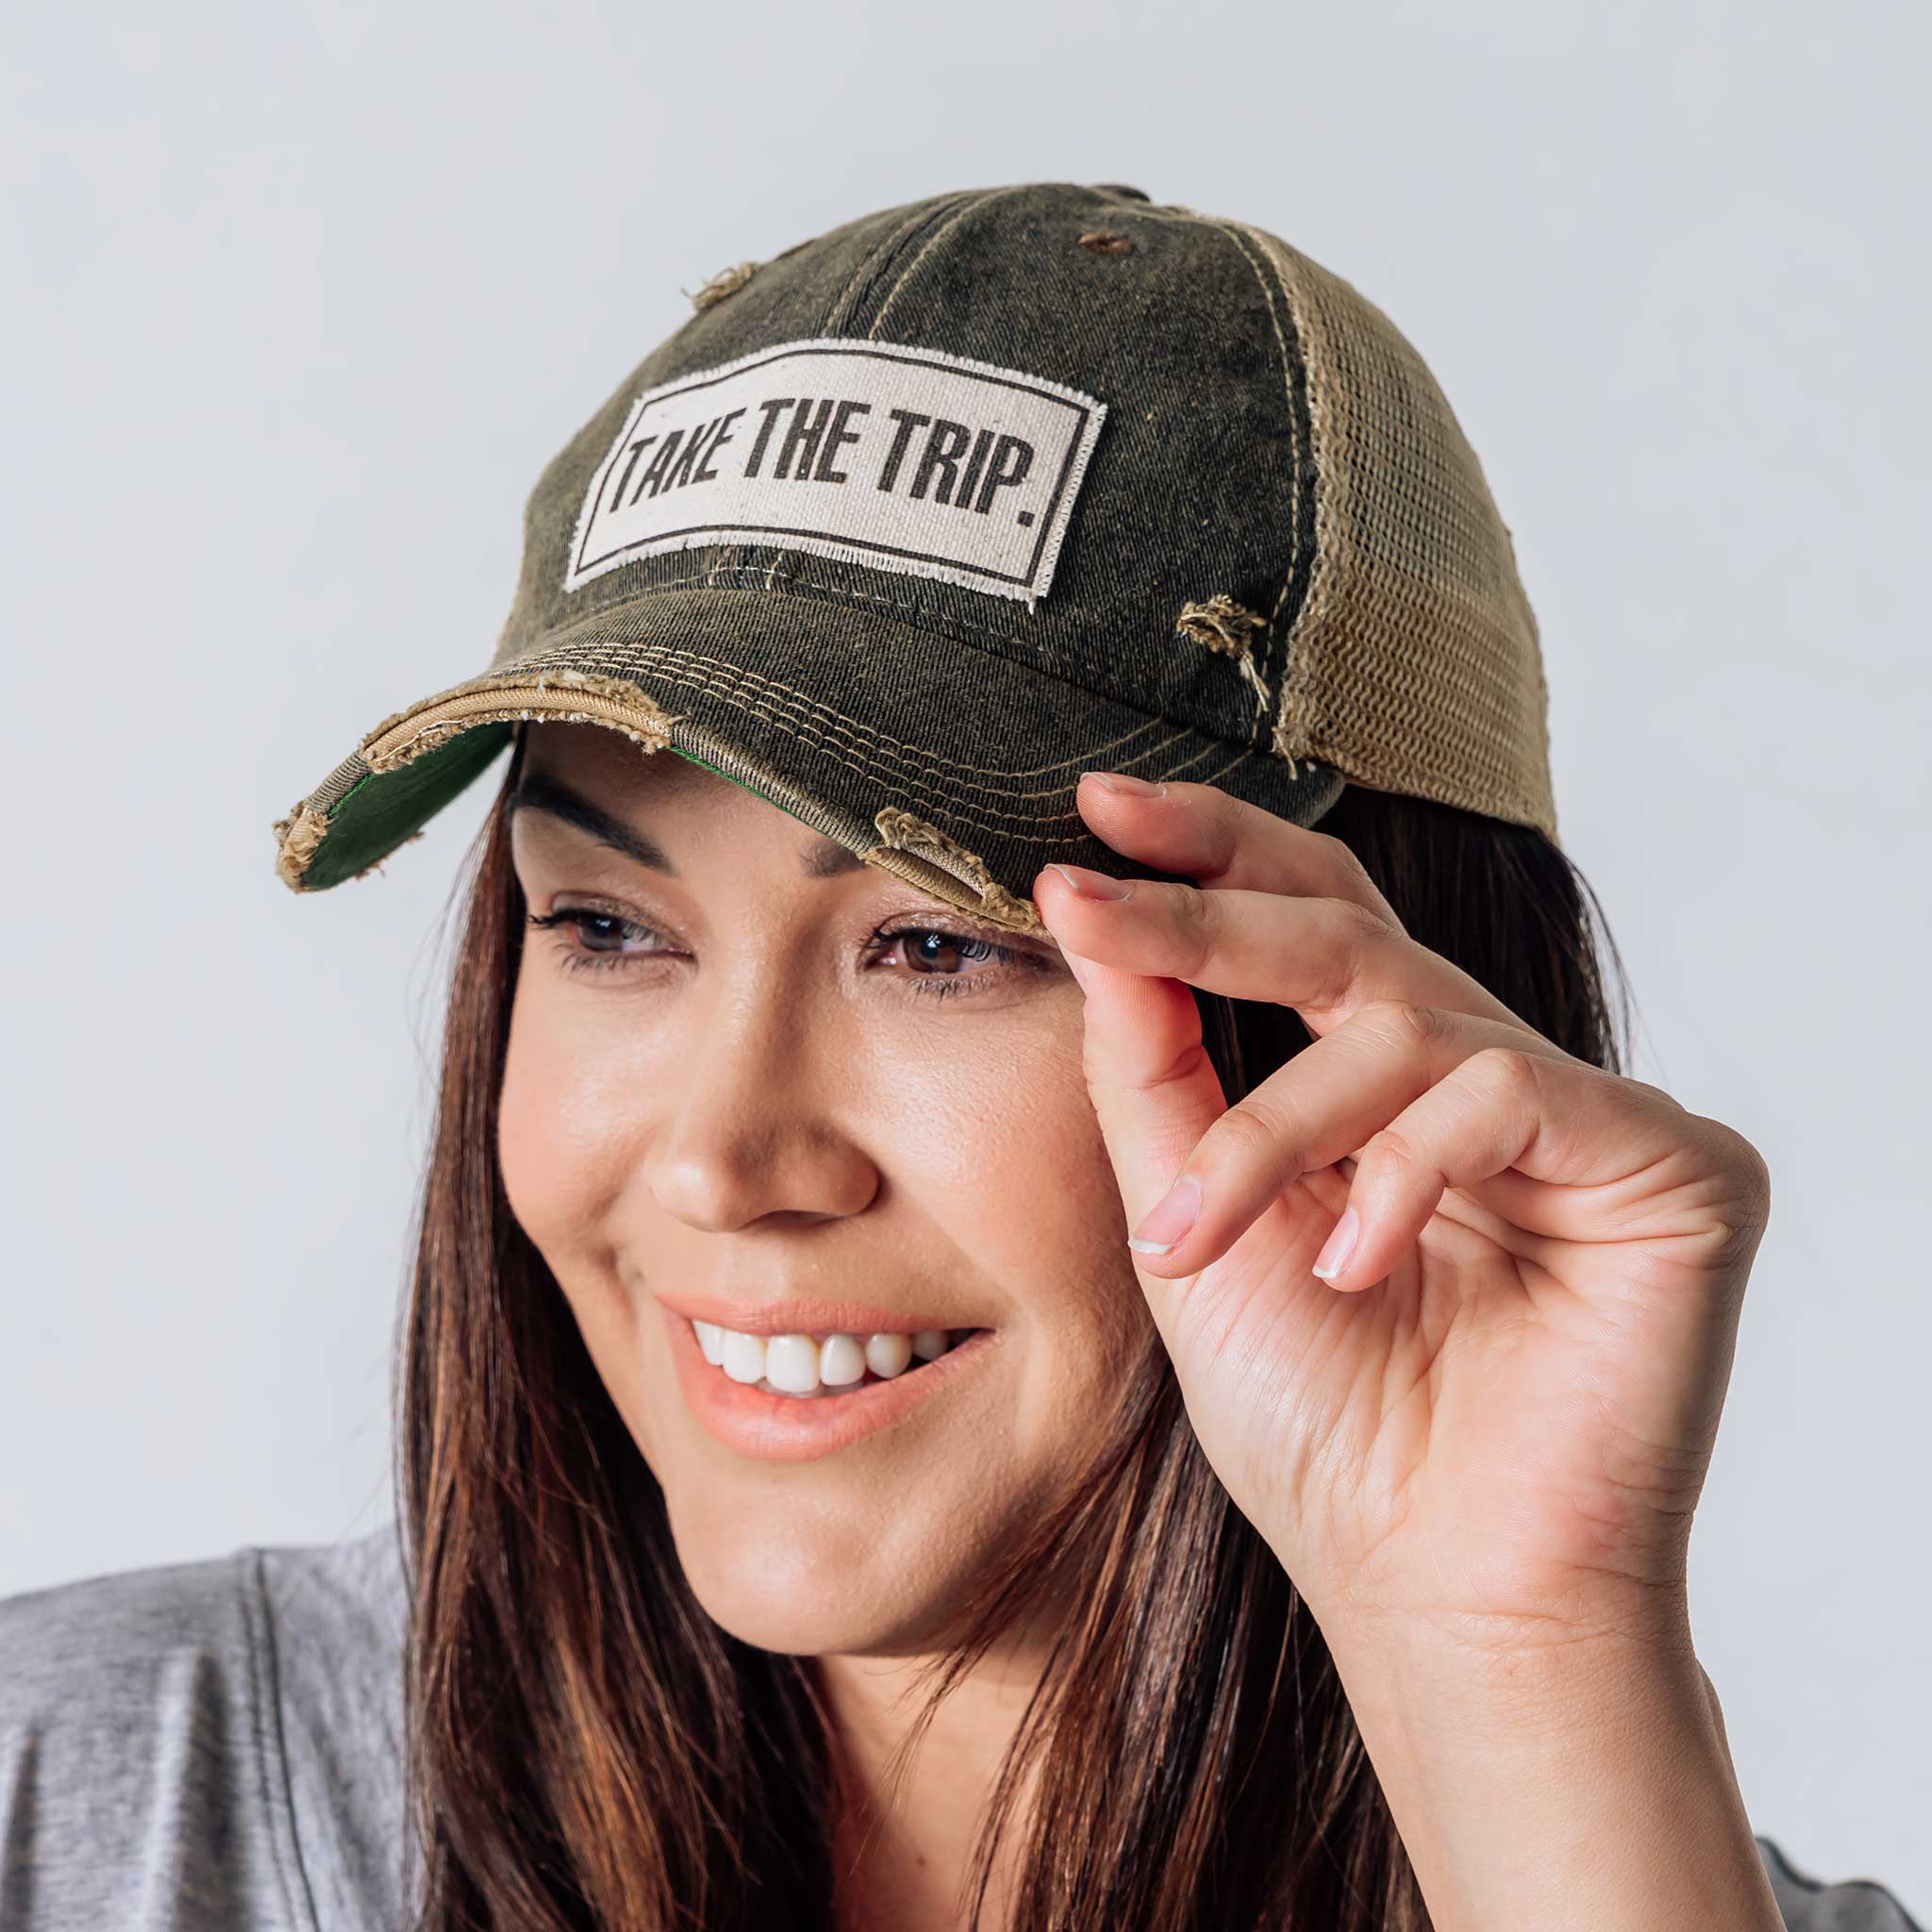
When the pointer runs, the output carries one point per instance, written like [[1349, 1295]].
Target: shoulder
[[212, 1743], [1812, 1904]]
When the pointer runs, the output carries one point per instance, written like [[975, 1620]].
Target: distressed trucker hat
[[906, 528]]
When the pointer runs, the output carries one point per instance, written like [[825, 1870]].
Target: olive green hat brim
[[947, 764]]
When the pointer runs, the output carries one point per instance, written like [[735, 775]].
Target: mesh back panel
[[1414, 664]]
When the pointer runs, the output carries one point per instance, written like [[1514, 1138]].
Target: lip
[[804, 1317], [785, 1428]]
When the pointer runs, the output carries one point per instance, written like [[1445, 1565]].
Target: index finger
[[1325, 957], [1220, 841]]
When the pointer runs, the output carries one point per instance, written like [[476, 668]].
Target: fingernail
[[1173, 1215], [1119, 781], [1339, 1246], [1095, 885]]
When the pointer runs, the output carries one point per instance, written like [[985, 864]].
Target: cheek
[[1010, 1161], [567, 1125]]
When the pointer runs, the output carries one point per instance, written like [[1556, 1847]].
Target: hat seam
[[1276, 631], [885, 771], [878, 261], [814, 590], [984, 199], [892, 750], [815, 727]]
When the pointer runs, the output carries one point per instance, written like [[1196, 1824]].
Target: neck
[[904, 1841]]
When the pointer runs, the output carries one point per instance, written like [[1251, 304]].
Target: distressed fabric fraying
[[727, 281], [1229, 627], [296, 837], [635, 712], [905, 831]]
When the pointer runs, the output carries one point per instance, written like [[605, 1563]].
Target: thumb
[[1153, 1086]]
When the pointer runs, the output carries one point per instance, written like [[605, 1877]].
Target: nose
[[754, 1119]]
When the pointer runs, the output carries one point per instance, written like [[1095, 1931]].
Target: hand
[[1493, 1424]]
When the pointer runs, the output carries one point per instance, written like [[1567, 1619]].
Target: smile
[[779, 1396], [804, 1366]]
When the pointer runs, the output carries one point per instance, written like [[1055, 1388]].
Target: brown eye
[[942, 953], [604, 932], [589, 936]]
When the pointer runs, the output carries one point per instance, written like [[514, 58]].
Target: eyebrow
[[537, 791]]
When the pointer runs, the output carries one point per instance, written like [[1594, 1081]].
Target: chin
[[806, 1596]]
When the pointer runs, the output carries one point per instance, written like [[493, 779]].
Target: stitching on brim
[[881, 769], [725, 681], [652, 735], [568, 636]]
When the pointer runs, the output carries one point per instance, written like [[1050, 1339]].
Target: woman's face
[[745, 1070]]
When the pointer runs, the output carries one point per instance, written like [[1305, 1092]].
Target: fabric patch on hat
[[904, 458]]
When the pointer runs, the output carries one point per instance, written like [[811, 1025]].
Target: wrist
[[1558, 1784], [1507, 1667]]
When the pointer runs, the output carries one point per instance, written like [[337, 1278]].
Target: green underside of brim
[[379, 812]]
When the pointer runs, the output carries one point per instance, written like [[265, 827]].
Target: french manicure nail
[[1095, 885], [1120, 781], [1339, 1245], [1173, 1215]]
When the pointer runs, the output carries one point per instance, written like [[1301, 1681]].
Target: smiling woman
[[757, 1098], [1005, 1334]]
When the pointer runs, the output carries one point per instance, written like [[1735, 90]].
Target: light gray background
[[299, 300]]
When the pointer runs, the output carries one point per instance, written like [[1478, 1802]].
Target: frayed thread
[[641, 718], [727, 281], [1229, 627], [905, 831], [296, 837]]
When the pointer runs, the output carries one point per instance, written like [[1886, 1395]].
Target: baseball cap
[[909, 526]]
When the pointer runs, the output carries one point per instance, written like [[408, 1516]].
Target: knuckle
[[1405, 1021], [1352, 939], [1229, 818], [1362, 922], [1185, 1067], [1753, 1171], [1505, 1070], [1388, 1152], [1194, 921], [1664, 1098], [1255, 1133], [1343, 859]]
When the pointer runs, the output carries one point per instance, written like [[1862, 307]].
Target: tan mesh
[[1414, 664]]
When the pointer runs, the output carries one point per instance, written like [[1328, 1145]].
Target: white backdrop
[[299, 300]]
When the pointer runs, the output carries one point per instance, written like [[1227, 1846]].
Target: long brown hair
[[587, 1748]]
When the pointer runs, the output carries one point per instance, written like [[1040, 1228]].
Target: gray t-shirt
[[218, 1744]]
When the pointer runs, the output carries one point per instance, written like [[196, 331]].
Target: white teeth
[[803, 1366], [791, 1364], [744, 1357], [842, 1361], [886, 1355]]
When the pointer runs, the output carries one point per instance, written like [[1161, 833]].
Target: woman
[[1006, 1332]]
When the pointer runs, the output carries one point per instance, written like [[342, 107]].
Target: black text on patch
[[904, 459]]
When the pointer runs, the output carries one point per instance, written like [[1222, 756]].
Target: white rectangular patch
[[904, 459]]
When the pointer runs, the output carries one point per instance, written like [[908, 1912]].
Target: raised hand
[[1480, 1403]]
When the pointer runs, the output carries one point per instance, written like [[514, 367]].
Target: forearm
[[1589, 1785]]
